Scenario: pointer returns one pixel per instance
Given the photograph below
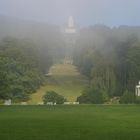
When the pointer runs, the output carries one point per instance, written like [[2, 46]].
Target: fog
[[86, 12], [99, 40]]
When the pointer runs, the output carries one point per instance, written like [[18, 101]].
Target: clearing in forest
[[64, 79]]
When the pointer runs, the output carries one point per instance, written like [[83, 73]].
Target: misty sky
[[86, 12]]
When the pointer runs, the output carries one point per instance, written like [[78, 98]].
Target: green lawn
[[80, 122], [64, 69], [65, 80]]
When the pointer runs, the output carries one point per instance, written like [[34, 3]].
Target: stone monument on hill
[[70, 38]]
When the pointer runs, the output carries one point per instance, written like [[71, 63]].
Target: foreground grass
[[81, 122]]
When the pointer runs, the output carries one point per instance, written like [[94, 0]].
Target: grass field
[[65, 80], [80, 122]]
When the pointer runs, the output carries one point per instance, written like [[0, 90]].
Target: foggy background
[[86, 12]]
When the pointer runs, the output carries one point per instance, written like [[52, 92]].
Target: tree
[[54, 97], [127, 97], [4, 87], [4, 81], [92, 96], [20, 72]]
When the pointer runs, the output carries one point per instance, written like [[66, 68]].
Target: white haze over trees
[[31, 41]]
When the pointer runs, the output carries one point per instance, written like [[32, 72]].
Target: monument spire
[[71, 22], [70, 34], [70, 26]]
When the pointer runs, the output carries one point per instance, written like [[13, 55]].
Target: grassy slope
[[80, 122], [65, 80]]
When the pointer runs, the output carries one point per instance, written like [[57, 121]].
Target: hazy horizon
[[85, 12]]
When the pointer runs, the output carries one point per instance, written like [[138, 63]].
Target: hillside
[[63, 79]]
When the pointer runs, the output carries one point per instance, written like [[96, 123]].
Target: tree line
[[110, 58], [27, 50], [21, 68]]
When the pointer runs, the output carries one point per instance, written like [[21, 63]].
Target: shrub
[[53, 97]]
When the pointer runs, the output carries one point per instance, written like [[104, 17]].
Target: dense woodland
[[109, 57], [21, 68], [27, 50]]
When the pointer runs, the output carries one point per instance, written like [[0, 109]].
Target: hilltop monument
[[70, 29], [70, 38]]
